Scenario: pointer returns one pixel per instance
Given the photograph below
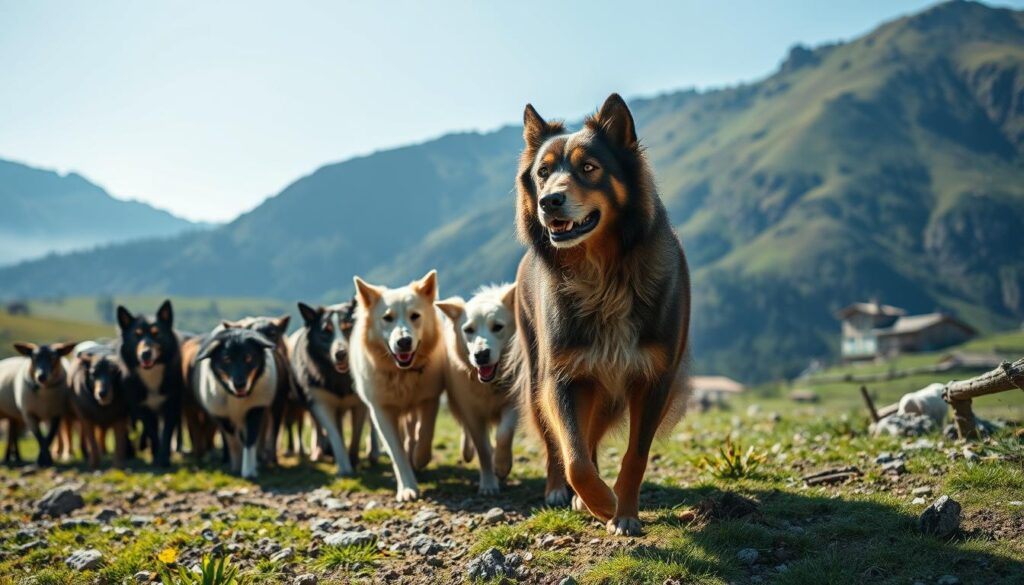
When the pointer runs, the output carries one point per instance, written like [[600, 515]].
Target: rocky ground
[[299, 524]]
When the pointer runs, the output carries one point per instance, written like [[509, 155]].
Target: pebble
[[747, 556], [921, 491], [884, 457], [350, 538], [143, 577], [568, 581], [60, 501], [896, 466], [489, 565], [494, 516], [335, 505], [305, 579], [84, 559], [31, 545], [942, 518], [948, 580], [285, 554], [139, 520], [918, 501], [106, 515], [970, 456]]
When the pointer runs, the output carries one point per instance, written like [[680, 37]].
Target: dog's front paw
[[559, 497], [489, 486], [345, 471], [405, 494], [624, 526]]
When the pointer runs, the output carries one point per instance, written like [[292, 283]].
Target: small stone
[[883, 457], [568, 581], [106, 515], [350, 538], [60, 501], [31, 545], [747, 556], [143, 577], [435, 562], [84, 559], [1015, 503], [123, 531], [424, 517], [896, 467], [69, 523], [335, 505], [494, 516], [948, 580], [139, 520], [970, 456], [489, 565], [921, 491], [305, 579], [283, 555], [371, 505], [942, 518], [918, 501]]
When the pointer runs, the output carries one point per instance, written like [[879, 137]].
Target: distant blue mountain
[[42, 211]]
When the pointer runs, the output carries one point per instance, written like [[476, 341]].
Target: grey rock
[[921, 491], [30, 545], [903, 425], [489, 565], [320, 524], [139, 520], [106, 515], [305, 579], [942, 518], [970, 455], [335, 505], [424, 517], [884, 457], [948, 580], [143, 577], [568, 581], [896, 466], [283, 555], [123, 531], [59, 501], [69, 523], [494, 516], [747, 556], [918, 501], [350, 538], [425, 546], [84, 559]]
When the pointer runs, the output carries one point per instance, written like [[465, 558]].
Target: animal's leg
[[358, 415], [328, 421], [556, 489], [426, 420], [476, 428], [503, 441], [373, 450], [92, 448], [120, 443], [44, 459], [578, 422], [647, 408], [386, 422], [409, 433], [254, 424], [170, 417]]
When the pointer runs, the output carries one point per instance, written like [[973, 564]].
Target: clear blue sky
[[206, 108]]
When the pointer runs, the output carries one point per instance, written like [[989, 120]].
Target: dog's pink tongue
[[486, 371], [403, 357]]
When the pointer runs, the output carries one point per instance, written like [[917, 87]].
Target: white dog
[[397, 358], [479, 338]]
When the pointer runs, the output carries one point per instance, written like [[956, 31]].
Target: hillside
[[45, 212], [888, 167], [37, 329]]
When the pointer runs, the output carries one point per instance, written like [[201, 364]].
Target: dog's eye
[[388, 317], [248, 359], [468, 330], [139, 332], [589, 168], [497, 327], [414, 317], [227, 359], [543, 172], [328, 328]]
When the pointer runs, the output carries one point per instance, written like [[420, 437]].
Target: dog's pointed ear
[[124, 318], [228, 324], [281, 323], [616, 122], [25, 348], [208, 348], [366, 294], [165, 313], [310, 316], [63, 349], [263, 342], [427, 286], [453, 307], [508, 298], [535, 129]]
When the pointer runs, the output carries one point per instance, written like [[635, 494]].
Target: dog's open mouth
[[404, 359], [562, 230], [147, 364], [341, 367], [486, 373]]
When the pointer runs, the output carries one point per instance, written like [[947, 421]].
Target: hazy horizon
[[207, 112]]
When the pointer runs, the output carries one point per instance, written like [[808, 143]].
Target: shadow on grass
[[799, 539]]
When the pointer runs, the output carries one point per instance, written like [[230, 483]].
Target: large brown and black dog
[[602, 306]]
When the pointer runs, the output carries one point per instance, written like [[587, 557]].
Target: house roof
[[716, 384], [915, 323], [873, 309]]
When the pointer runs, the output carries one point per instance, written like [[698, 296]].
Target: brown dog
[[602, 306]]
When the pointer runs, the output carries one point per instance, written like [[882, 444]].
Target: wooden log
[[870, 403], [959, 394]]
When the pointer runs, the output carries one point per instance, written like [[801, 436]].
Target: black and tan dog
[[151, 355], [98, 399], [602, 306]]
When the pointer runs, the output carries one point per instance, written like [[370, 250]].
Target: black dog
[[99, 400], [151, 355]]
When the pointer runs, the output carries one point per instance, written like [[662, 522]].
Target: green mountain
[[46, 212], [888, 167]]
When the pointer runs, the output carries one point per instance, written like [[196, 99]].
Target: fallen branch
[[960, 393], [837, 475]]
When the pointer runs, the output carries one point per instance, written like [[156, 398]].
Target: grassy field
[[696, 528], [45, 330]]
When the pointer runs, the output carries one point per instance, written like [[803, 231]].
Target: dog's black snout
[[146, 355], [483, 357], [42, 376], [405, 343], [340, 355], [552, 201]]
